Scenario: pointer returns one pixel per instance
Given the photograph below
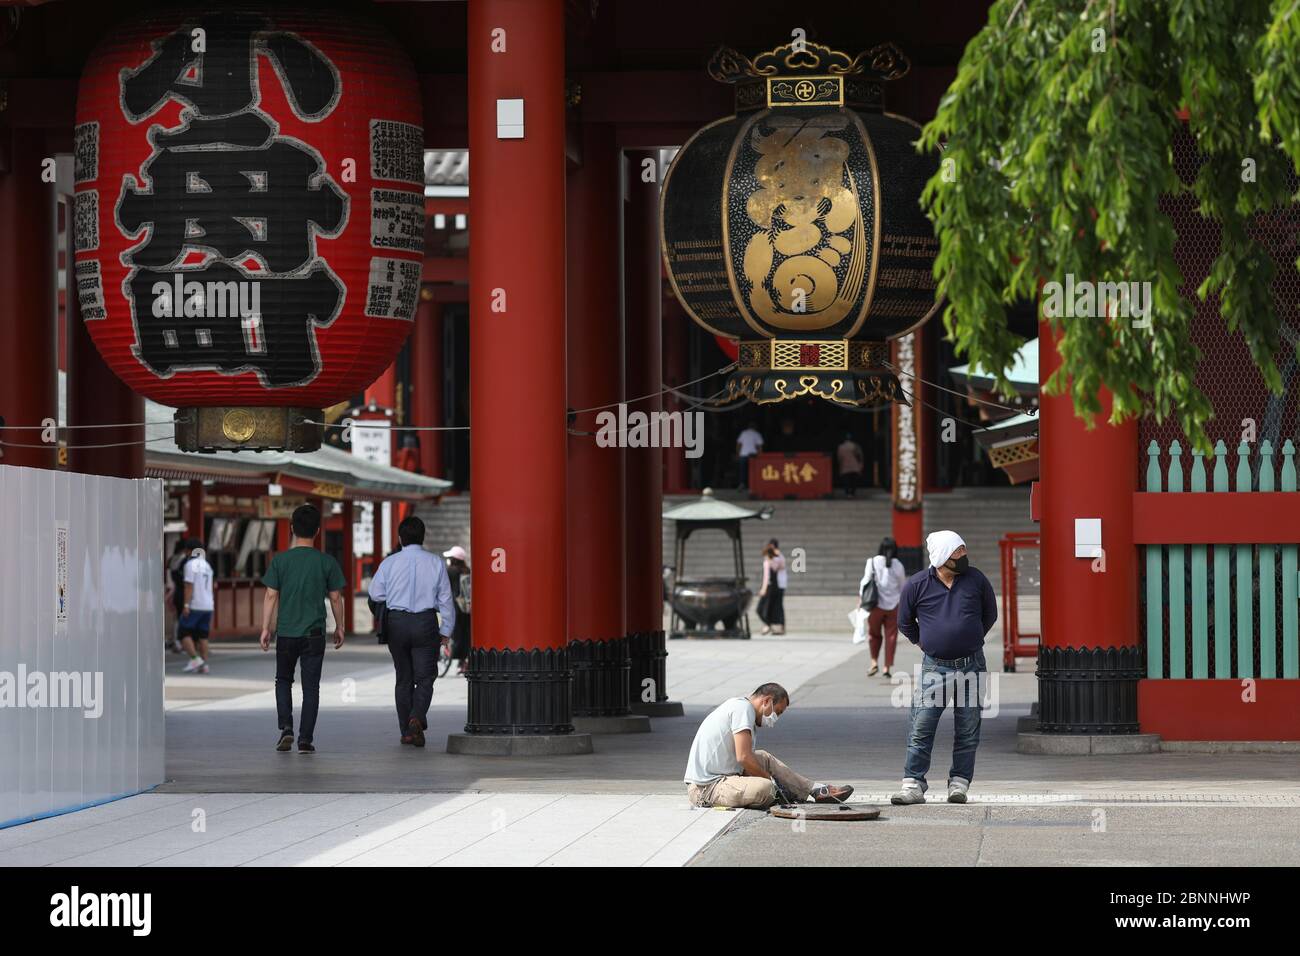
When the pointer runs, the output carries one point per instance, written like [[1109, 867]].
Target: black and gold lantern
[[795, 225]]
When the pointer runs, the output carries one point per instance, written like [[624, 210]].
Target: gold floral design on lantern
[[809, 219]]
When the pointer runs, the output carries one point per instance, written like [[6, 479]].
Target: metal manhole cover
[[825, 811]]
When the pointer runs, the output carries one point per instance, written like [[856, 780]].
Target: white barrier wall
[[81, 640]]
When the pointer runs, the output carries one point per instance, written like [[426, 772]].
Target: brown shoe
[[416, 731], [832, 794]]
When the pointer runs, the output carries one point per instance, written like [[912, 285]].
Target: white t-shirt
[[199, 573], [713, 752], [889, 586], [750, 441]]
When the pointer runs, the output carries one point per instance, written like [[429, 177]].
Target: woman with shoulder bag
[[879, 591]]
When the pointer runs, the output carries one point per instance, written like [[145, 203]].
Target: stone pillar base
[[519, 745], [659, 708], [520, 692], [1083, 745], [600, 677], [648, 661], [626, 724], [1088, 690]]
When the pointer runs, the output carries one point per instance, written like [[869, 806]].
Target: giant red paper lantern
[[249, 219]]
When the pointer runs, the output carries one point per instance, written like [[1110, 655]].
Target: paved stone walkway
[[365, 799]]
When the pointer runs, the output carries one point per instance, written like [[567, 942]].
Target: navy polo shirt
[[948, 623]]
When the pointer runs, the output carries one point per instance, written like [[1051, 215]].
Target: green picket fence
[[1191, 614]]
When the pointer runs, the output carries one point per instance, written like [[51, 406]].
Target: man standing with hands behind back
[[948, 610], [413, 583], [297, 583]]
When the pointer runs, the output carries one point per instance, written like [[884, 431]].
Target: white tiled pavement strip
[[371, 829]]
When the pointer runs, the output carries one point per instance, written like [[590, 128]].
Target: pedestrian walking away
[[458, 572], [771, 594], [748, 444], [947, 610], [878, 594], [196, 610], [852, 462], [175, 590], [724, 770], [297, 584], [415, 589]]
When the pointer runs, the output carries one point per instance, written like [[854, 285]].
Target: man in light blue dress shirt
[[413, 584]]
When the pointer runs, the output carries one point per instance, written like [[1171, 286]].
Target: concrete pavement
[[364, 798]]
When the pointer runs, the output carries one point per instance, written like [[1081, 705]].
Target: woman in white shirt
[[771, 596], [888, 573]]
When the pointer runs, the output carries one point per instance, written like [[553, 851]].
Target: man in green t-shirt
[[297, 583]]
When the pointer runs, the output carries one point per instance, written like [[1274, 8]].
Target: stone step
[[836, 535]]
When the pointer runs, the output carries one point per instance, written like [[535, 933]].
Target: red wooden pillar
[[675, 319], [907, 455], [597, 635], [96, 396], [426, 380], [642, 304], [349, 570], [520, 683], [1089, 603], [28, 326], [194, 512]]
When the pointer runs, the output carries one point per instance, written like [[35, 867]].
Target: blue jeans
[[942, 683]]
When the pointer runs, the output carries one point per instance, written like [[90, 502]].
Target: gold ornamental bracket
[[844, 371], [809, 74]]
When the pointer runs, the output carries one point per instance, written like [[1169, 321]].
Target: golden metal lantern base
[[844, 371], [858, 389], [237, 428]]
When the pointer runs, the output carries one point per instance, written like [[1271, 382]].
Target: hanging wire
[[36, 428], [114, 444], [664, 390], [947, 414], [1027, 410]]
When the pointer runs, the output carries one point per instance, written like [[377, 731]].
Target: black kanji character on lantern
[[224, 184], [233, 202], [204, 327], [222, 80]]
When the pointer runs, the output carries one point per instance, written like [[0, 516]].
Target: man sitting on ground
[[724, 769]]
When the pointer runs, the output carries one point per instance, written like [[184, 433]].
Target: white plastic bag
[[858, 618]]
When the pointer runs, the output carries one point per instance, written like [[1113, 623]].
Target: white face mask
[[769, 720]]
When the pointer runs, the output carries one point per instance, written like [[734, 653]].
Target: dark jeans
[[744, 471], [944, 682], [289, 651], [413, 642]]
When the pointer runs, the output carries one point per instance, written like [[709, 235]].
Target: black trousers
[[289, 652], [771, 606], [413, 642]]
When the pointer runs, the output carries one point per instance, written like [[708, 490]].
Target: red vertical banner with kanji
[[906, 452]]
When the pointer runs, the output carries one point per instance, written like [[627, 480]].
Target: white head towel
[[941, 545]]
